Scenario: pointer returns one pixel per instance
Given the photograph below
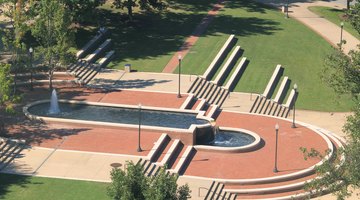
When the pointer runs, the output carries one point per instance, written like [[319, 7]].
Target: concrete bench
[[89, 45], [221, 54], [290, 101], [105, 60], [238, 70], [92, 57], [273, 80], [227, 67], [281, 92]]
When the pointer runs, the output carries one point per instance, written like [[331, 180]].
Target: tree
[[12, 37], [342, 73], [142, 4], [5, 94], [134, 185], [81, 9], [354, 15], [53, 32]]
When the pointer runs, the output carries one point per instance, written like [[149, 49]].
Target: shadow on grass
[[157, 34], [8, 180]]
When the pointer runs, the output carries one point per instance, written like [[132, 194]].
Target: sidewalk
[[325, 28]]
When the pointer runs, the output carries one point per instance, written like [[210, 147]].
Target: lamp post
[[179, 57], [287, 8], [139, 147], [31, 50], [341, 34], [276, 144], [295, 90]]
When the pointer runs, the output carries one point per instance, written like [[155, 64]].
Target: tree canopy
[[342, 73], [132, 184], [141, 4]]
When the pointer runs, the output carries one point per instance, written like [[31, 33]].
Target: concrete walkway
[[328, 30], [190, 41]]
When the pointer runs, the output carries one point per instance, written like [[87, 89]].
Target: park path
[[326, 29], [190, 41]]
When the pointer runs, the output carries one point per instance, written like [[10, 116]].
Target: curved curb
[[254, 145]]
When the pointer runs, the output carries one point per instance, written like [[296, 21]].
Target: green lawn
[[151, 40], [269, 39], [336, 16], [15, 187], [265, 35]]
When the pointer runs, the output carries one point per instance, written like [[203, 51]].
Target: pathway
[[190, 41], [328, 30]]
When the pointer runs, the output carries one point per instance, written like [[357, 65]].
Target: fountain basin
[[185, 124], [232, 140]]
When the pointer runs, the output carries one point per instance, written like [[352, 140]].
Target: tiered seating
[[86, 68], [290, 186], [218, 58], [263, 103], [213, 92], [176, 157], [216, 191], [9, 150]]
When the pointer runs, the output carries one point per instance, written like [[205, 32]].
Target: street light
[[287, 8], [276, 144], [179, 58], [295, 90], [341, 34], [139, 147], [31, 50]]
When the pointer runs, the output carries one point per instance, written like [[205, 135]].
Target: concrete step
[[183, 160], [193, 85], [171, 152], [199, 87], [158, 147]]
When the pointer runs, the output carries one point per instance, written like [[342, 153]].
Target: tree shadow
[[9, 180], [156, 34], [35, 132], [193, 6]]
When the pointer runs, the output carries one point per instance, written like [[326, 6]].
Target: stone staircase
[[9, 150], [214, 92], [216, 191], [172, 154], [290, 186], [263, 103], [176, 156], [94, 56]]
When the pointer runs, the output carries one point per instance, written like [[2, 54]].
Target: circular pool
[[226, 138]]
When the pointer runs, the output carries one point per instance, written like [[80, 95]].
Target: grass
[[150, 41], [269, 39], [336, 16], [14, 187]]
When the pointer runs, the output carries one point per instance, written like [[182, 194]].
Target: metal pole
[[287, 9], [31, 68], [276, 144], [295, 90], [341, 34], [139, 147], [179, 95]]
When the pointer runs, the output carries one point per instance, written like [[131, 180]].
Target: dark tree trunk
[[129, 8]]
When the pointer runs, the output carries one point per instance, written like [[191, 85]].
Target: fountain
[[54, 105]]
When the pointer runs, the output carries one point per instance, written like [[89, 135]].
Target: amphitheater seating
[[9, 150], [91, 44], [227, 66], [221, 54], [85, 69]]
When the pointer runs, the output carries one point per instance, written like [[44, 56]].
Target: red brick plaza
[[254, 164]]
